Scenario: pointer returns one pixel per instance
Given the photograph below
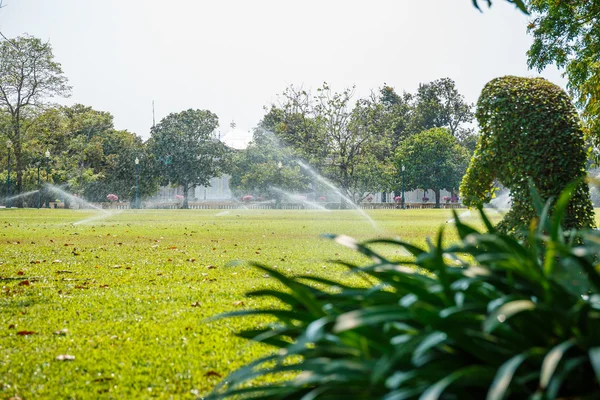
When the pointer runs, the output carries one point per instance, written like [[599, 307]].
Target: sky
[[233, 57]]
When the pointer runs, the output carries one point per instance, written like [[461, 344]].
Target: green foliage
[[87, 155], [186, 151], [529, 131], [433, 159], [29, 76], [567, 34], [338, 136], [439, 104], [353, 142], [489, 316], [264, 169]]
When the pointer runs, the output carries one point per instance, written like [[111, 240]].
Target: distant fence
[[257, 206]]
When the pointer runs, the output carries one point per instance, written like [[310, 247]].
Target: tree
[[266, 168], [118, 174], [567, 34], [294, 120], [433, 160], [335, 135], [88, 156], [397, 114], [439, 105], [529, 131], [28, 77], [187, 152]]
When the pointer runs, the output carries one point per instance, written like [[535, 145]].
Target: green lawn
[[128, 294]]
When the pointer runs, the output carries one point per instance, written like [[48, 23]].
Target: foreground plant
[[489, 317]]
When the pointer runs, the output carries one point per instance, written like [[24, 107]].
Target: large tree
[[567, 34], [335, 134], [87, 155], [434, 160], [187, 151], [29, 76], [438, 104]]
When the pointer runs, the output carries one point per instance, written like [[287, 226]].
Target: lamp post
[[39, 163], [403, 205], [8, 147], [47, 154], [137, 178]]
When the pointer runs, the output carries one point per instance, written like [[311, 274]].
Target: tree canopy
[[186, 150], [567, 34], [29, 76], [433, 160]]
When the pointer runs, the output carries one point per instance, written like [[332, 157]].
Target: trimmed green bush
[[529, 130], [489, 317]]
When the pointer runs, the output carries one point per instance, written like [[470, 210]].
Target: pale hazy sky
[[234, 56]]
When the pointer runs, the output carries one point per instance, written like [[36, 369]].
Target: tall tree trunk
[[185, 205], [437, 197]]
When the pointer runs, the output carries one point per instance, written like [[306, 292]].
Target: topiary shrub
[[529, 131], [489, 317]]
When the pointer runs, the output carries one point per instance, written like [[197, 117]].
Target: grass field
[[128, 295]]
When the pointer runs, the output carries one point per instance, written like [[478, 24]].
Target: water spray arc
[[82, 203], [292, 196], [330, 185]]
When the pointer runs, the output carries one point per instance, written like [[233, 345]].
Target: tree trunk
[[185, 205], [437, 197]]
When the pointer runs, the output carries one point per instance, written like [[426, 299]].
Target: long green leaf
[[508, 310], [369, 316], [430, 341], [435, 391], [300, 291], [594, 354], [505, 374], [552, 360]]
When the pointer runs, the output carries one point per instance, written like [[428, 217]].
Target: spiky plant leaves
[[489, 316]]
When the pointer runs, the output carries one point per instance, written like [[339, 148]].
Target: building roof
[[236, 138]]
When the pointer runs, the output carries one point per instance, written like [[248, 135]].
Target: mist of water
[[330, 185], [75, 199], [499, 204], [97, 217], [295, 197], [19, 196]]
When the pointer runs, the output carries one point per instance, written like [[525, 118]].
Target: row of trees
[[356, 144], [360, 145], [79, 148]]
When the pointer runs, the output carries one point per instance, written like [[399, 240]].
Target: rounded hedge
[[529, 130]]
